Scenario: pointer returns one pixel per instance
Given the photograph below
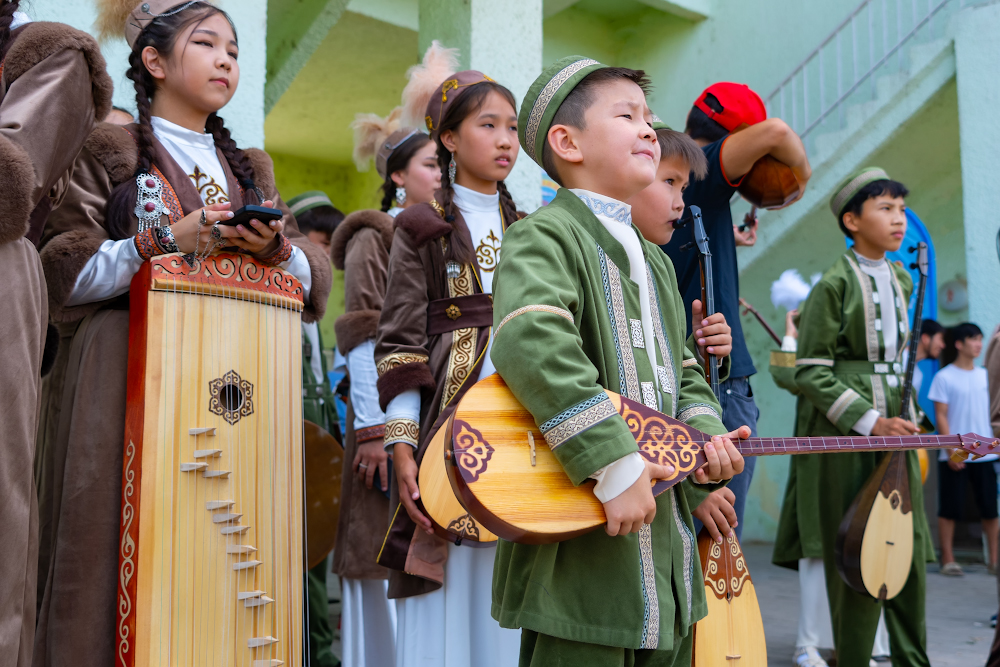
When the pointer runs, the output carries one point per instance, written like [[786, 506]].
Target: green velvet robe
[[841, 372], [565, 313]]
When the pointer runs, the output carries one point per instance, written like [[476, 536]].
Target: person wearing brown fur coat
[[360, 248], [53, 86], [83, 471]]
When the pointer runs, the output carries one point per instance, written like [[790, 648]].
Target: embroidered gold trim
[[576, 424], [396, 359], [402, 430], [782, 359], [688, 363], [813, 362], [840, 405], [462, 357], [537, 308], [878, 395]]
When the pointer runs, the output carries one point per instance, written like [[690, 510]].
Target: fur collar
[[351, 225], [39, 40], [422, 223], [115, 149]]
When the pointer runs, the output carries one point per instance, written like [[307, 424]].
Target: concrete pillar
[[244, 114], [504, 41], [977, 60]]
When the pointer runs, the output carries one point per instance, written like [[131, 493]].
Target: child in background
[[854, 327], [317, 217], [655, 211], [960, 392]]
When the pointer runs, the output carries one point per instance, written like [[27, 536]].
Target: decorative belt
[[461, 312], [868, 367]]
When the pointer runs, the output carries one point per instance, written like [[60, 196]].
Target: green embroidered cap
[[308, 200], [659, 124], [544, 97], [852, 185]]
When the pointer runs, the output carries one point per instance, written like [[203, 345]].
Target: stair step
[[247, 565], [258, 602], [234, 530], [226, 518], [219, 504], [257, 642], [191, 467]]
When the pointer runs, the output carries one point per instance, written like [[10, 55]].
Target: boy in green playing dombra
[[593, 305], [853, 329]]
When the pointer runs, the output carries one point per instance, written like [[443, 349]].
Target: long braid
[[144, 139], [388, 193], [122, 201], [237, 159], [7, 10], [507, 204]]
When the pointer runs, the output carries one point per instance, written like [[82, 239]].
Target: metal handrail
[[796, 86]]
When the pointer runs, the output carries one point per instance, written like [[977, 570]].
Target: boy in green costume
[[592, 305], [853, 330]]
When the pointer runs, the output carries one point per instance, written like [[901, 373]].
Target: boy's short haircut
[[700, 126], [319, 219], [872, 190], [959, 332], [930, 328], [679, 145], [962, 331], [571, 111]]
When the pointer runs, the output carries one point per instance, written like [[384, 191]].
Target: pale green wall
[[924, 155]]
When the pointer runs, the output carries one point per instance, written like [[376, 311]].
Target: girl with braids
[[407, 162], [429, 351], [149, 188], [405, 159], [53, 88]]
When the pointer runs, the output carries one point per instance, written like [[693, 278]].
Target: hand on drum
[[724, 460], [717, 513], [370, 458]]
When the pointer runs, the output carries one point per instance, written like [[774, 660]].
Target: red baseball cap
[[739, 105]]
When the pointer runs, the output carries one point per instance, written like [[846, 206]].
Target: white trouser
[[367, 623]]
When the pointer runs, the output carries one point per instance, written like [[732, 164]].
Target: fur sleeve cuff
[[17, 182], [322, 279], [355, 328], [396, 380], [62, 260]]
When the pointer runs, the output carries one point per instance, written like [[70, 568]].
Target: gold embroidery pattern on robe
[[395, 359], [488, 252], [616, 311], [462, 357], [210, 191]]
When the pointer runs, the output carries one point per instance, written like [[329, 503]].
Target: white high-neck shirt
[[195, 153], [887, 323], [485, 223]]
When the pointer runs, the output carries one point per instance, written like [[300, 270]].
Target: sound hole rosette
[[230, 397]]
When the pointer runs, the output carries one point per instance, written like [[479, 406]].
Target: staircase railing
[[846, 65]]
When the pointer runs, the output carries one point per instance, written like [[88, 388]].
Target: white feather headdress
[[790, 289]]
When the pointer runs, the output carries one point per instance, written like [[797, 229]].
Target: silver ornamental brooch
[[149, 204]]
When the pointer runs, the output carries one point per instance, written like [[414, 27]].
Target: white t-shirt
[[968, 398]]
